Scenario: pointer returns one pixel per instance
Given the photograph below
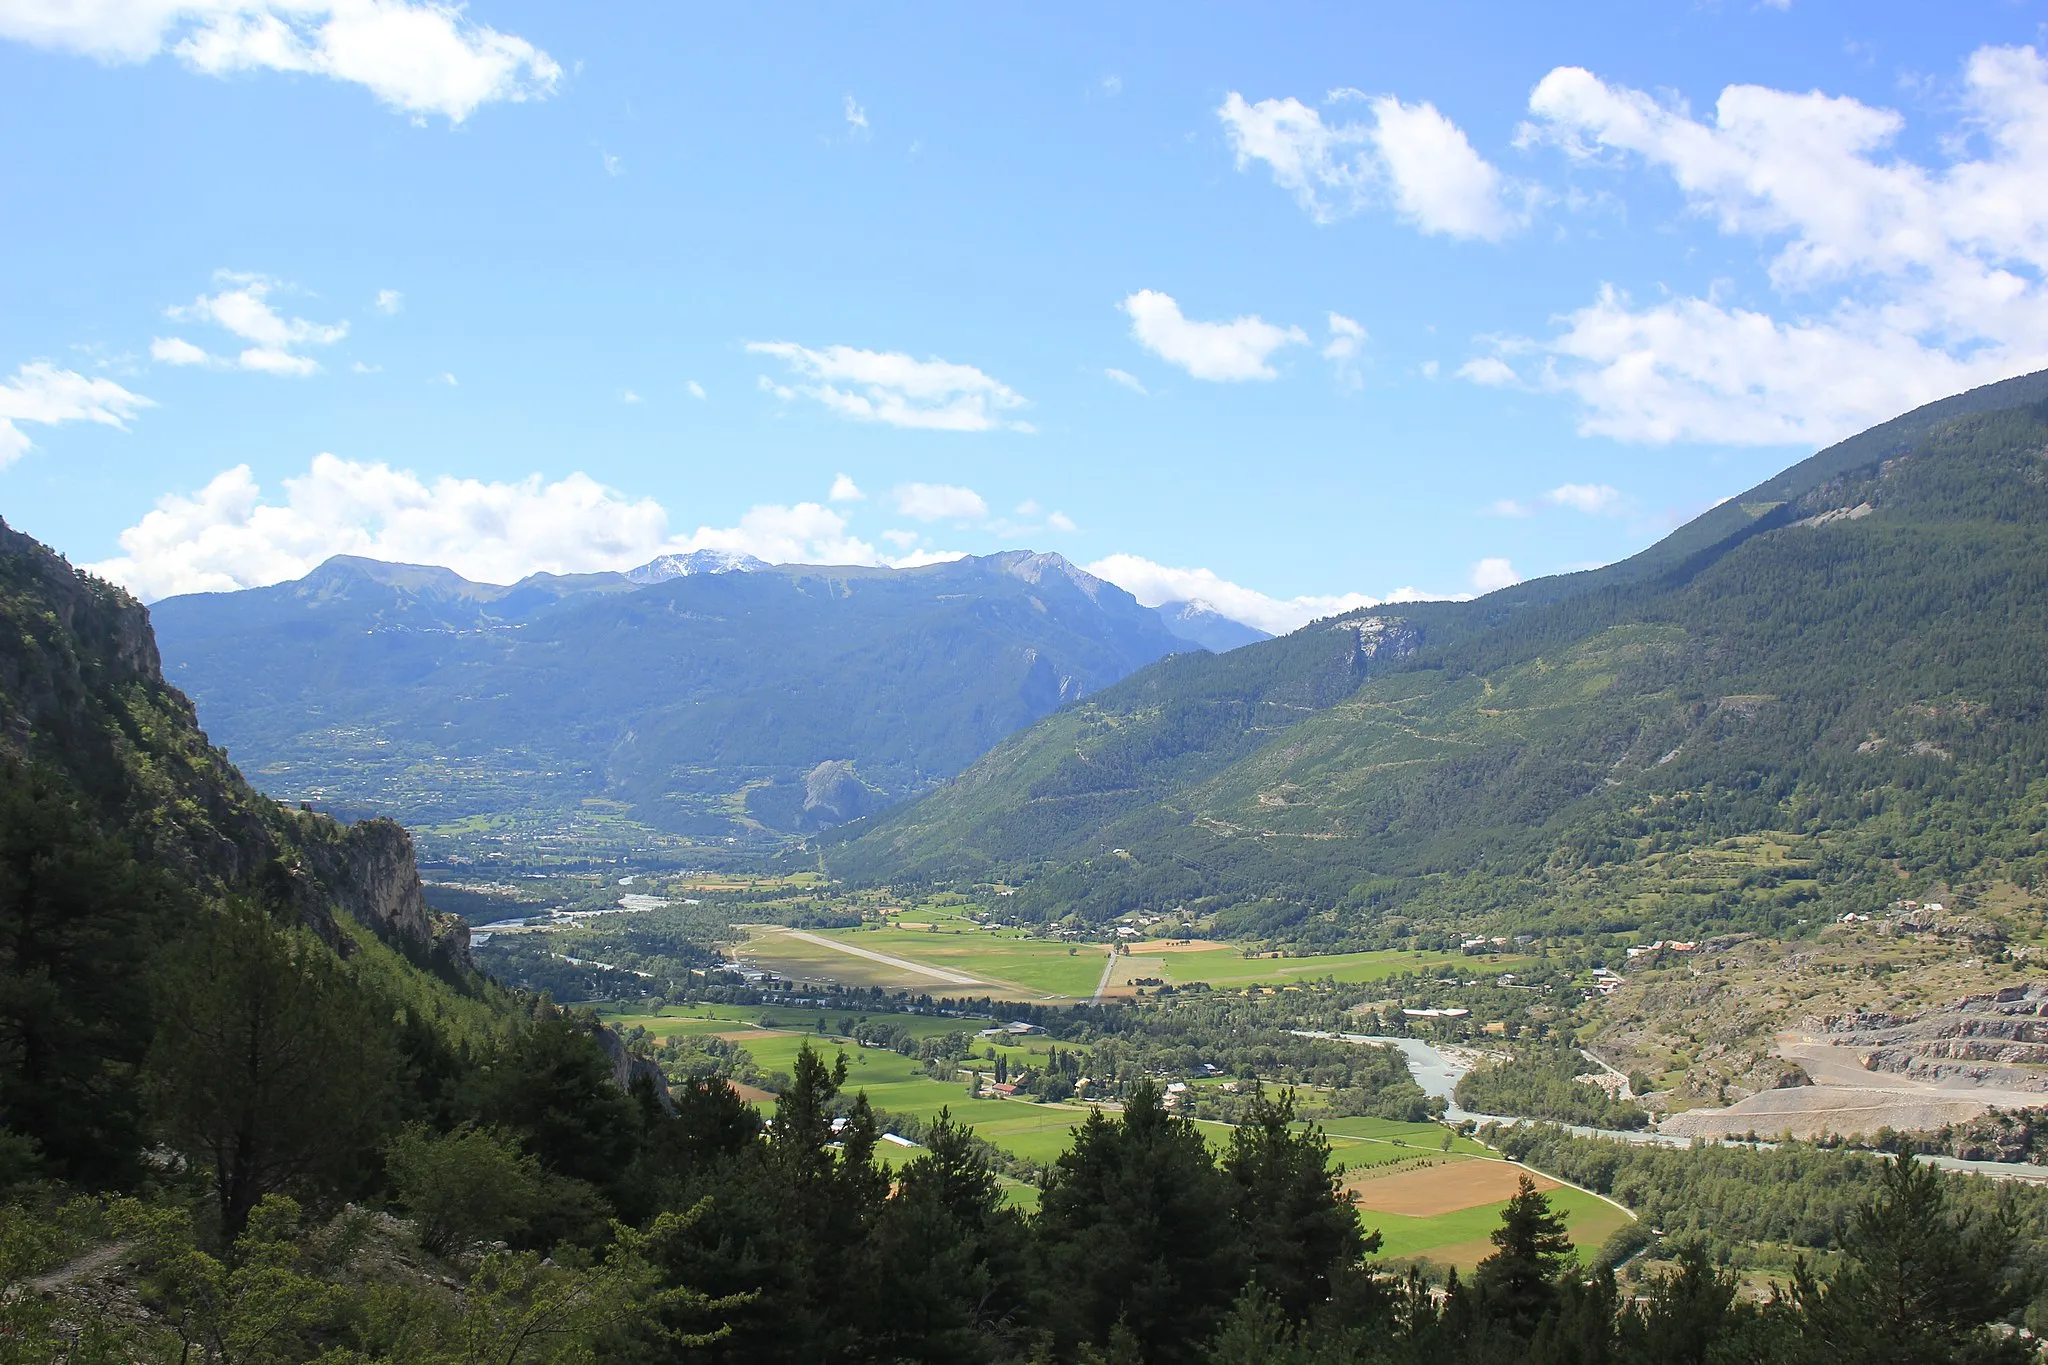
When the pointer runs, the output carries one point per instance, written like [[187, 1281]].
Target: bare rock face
[[627, 1068], [1997, 1038], [369, 871], [82, 690]]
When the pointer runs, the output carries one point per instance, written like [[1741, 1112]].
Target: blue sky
[[1280, 306]]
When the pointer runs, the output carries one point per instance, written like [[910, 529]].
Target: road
[[904, 963], [1108, 970]]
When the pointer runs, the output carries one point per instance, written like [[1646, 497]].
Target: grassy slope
[[1862, 689]]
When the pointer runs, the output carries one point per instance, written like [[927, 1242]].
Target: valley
[[1601, 901]]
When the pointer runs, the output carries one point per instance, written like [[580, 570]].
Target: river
[[1439, 1074]]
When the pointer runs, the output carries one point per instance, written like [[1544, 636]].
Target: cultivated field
[[1426, 1200], [1444, 1210], [936, 953]]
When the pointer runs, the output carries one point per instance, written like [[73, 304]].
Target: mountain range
[[1818, 696], [710, 696]]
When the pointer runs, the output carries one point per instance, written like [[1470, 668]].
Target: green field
[[1460, 1238], [1226, 967], [1003, 964], [1008, 963], [1040, 1132]]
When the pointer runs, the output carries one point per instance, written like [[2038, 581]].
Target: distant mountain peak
[[340, 570], [1200, 623], [664, 567], [1035, 566]]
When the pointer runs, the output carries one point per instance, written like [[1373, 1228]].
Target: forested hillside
[[715, 706], [1849, 656]]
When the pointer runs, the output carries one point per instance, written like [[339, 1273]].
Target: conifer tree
[[1518, 1284]]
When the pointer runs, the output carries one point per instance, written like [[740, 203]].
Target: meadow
[[1446, 1220], [938, 952]]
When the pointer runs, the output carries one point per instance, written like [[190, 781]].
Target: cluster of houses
[[1674, 945]]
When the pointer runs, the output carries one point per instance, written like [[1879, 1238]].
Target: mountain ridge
[[702, 705], [1508, 755]]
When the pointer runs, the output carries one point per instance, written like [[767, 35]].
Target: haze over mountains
[[709, 695]]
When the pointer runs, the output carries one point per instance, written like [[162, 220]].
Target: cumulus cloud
[[243, 309], [418, 57], [844, 489], [1128, 381], [893, 388], [40, 392], [939, 502], [1216, 351], [1491, 575], [1898, 280], [229, 535], [917, 559], [1153, 583], [389, 302], [696, 389], [1408, 155], [856, 118], [1060, 521]]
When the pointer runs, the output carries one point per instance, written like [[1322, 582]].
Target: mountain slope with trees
[[1849, 656], [745, 704]]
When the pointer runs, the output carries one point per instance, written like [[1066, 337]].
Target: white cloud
[[1347, 338], [1594, 499], [939, 501], [1409, 153], [40, 392], [1346, 345], [1028, 508], [1491, 575], [696, 389], [177, 351], [228, 535], [628, 396], [243, 309], [613, 167], [1060, 521], [1153, 584], [844, 489], [1129, 381], [893, 388], [1902, 280], [1217, 351], [419, 57], [902, 540], [389, 302], [856, 118], [449, 379], [1489, 370], [917, 559], [1109, 87]]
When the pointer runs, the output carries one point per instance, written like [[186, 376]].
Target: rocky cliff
[[82, 691]]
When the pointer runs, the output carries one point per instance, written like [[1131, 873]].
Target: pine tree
[[1518, 1284], [1921, 1285], [1296, 1218], [269, 1064], [1134, 1230], [78, 918]]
